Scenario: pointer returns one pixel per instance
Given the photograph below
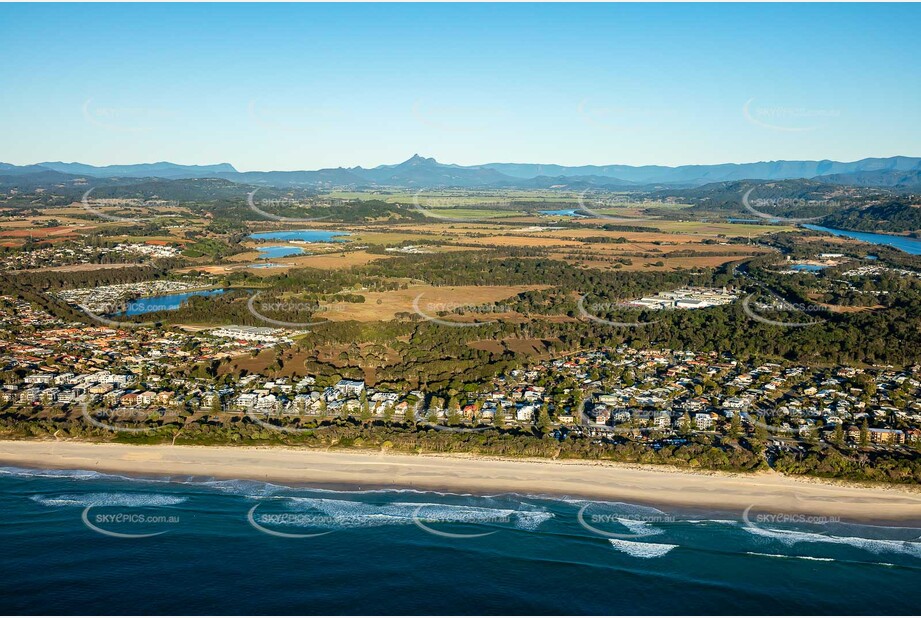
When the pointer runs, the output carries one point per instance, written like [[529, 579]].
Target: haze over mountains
[[419, 172]]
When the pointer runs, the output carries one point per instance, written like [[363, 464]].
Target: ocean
[[80, 542]]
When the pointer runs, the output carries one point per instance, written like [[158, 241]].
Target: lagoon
[[903, 243], [269, 253], [302, 235], [562, 213], [170, 302]]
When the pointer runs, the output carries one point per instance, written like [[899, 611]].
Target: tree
[[453, 411], [409, 416], [577, 407], [499, 417], [761, 431], [365, 407], [735, 426], [685, 424], [864, 433], [544, 424], [838, 435]]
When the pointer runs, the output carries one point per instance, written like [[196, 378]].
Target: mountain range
[[422, 172]]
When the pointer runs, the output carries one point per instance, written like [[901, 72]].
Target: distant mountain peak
[[418, 159], [421, 171]]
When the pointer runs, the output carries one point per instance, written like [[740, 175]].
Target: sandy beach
[[765, 492]]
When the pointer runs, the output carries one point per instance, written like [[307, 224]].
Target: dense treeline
[[12, 285], [699, 452], [57, 279], [901, 214]]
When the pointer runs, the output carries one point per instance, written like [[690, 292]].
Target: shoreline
[[647, 485]]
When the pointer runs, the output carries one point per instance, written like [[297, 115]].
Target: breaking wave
[[110, 499], [638, 549], [755, 553], [876, 546], [353, 514], [639, 527]]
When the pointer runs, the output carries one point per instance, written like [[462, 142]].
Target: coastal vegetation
[[723, 453]]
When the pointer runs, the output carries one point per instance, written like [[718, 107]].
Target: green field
[[475, 213]]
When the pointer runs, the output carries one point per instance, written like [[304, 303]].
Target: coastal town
[[52, 369], [112, 298], [460, 309], [66, 255]]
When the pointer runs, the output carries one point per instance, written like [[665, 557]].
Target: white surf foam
[[54, 474], [788, 556], [354, 514], [876, 546], [639, 527], [639, 549], [109, 499]]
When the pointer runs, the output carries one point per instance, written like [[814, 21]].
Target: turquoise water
[[170, 302], [217, 550], [302, 235], [813, 268], [278, 252], [563, 213], [908, 245]]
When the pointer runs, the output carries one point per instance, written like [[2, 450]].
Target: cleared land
[[382, 306]]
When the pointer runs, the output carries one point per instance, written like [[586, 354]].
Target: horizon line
[[100, 166]]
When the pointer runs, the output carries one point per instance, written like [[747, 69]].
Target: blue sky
[[309, 86]]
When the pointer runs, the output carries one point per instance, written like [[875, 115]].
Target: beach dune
[[764, 492]]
